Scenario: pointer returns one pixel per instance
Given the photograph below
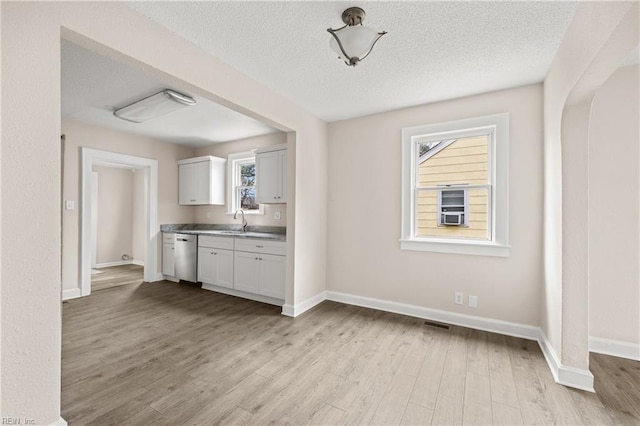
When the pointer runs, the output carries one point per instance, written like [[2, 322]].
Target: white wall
[[31, 308], [80, 134], [115, 214], [614, 209], [218, 214], [364, 257]]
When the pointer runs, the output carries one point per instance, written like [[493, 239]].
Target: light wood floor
[[169, 354], [115, 276]]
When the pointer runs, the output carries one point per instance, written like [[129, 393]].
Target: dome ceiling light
[[354, 41]]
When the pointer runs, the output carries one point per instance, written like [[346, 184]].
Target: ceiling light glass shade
[[354, 41], [154, 106]]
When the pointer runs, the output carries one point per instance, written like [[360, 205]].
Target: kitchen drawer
[[225, 243], [261, 246], [168, 238]]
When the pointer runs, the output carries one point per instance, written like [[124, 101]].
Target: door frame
[[91, 157]]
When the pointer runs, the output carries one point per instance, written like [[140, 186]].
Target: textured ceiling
[[433, 50], [93, 84]]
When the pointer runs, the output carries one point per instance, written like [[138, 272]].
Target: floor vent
[[437, 324]]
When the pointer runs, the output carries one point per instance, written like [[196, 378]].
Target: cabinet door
[[185, 184], [282, 175], [201, 182], [246, 272], [272, 275], [223, 273], [267, 181], [168, 260], [206, 265]]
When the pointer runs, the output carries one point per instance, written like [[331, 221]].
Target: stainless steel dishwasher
[[186, 253]]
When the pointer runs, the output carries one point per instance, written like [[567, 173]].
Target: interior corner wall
[[589, 30], [31, 308], [365, 258], [85, 135], [614, 209], [115, 214], [218, 214]]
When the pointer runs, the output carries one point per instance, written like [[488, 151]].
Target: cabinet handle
[[256, 258], [215, 253], [259, 246], [193, 201], [260, 259]]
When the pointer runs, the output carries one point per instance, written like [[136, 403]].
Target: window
[[241, 180], [454, 197]]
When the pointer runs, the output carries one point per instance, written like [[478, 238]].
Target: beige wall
[[614, 209], [138, 217], [31, 308], [218, 214], [364, 214], [80, 134], [115, 214]]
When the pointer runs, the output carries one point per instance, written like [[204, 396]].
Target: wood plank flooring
[[115, 276], [169, 354]]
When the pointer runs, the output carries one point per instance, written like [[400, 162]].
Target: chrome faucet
[[244, 221]]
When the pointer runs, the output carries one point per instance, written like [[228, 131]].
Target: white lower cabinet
[[260, 267], [168, 255], [215, 266], [247, 269], [272, 276], [251, 266], [259, 273], [215, 261]]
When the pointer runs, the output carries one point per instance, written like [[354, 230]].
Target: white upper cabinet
[[201, 181], [271, 175]]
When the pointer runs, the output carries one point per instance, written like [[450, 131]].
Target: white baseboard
[[168, 278], [108, 264], [304, 306], [614, 348], [238, 293], [569, 376], [479, 323], [59, 422], [137, 262], [72, 293]]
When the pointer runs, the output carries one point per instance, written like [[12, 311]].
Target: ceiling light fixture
[[154, 106], [354, 41]]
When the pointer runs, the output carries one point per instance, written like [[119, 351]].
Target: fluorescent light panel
[[154, 106]]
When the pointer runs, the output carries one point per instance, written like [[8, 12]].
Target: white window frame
[[497, 125], [233, 163]]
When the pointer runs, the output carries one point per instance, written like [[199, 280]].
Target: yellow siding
[[464, 161]]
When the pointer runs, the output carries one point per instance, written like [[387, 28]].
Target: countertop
[[272, 233]]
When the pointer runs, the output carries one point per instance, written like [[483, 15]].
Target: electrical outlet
[[473, 301], [459, 300], [70, 205], [276, 215]]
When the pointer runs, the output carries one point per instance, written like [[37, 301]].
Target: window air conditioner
[[452, 219]]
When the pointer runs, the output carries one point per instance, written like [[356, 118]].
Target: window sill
[[474, 248]]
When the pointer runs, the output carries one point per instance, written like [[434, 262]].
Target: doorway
[[93, 157]]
